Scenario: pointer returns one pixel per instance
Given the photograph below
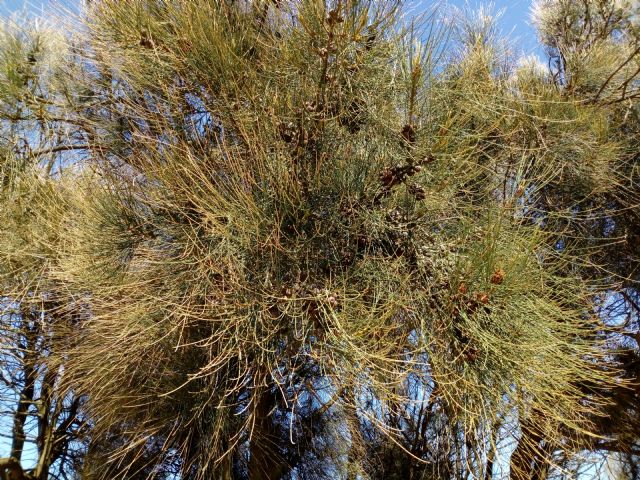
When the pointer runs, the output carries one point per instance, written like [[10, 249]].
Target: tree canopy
[[306, 239]]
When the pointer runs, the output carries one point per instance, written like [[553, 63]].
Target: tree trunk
[[266, 462], [526, 456], [27, 392], [10, 469]]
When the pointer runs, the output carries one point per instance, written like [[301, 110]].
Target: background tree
[[593, 50], [41, 417]]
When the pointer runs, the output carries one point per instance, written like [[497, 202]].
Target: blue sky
[[36, 6], [14, 5], [514, 22]]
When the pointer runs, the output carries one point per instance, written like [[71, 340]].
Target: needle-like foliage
[[309, 240]]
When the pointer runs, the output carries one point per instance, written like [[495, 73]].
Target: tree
[[593, 50], [44, 416], [309, 239]]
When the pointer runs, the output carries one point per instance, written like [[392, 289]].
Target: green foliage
[[302, 233]]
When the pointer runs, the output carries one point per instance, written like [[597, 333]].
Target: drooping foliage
[[42, 419], [593, 52], [308, 239]]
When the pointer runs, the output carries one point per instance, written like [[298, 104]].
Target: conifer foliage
[[307, 239]]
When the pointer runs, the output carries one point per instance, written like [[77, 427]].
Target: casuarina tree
[[309, 239]]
